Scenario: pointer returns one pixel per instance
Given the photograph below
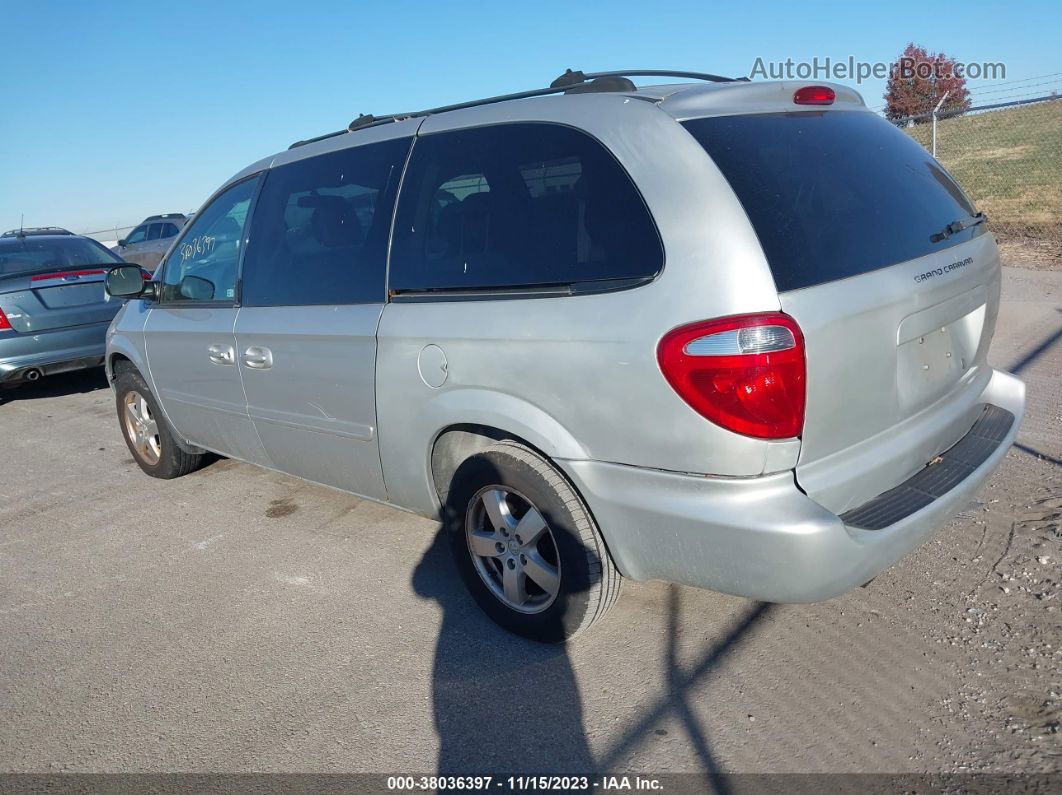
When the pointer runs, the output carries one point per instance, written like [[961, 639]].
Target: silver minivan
[[729, 334]]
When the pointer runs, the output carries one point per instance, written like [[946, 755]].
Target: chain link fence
[[1008, 158]]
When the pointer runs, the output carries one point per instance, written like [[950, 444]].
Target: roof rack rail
[[164, 215], [317, 138], [571, 82], [570, 78]]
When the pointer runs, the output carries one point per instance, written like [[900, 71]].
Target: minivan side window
[[154, 232], [203, 265], [519, 205], [321, 227]]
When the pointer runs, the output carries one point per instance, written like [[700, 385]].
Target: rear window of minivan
[[833, 194]]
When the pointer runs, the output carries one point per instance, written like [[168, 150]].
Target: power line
[[977, 95], [994, 90], [1013, 103], [979, 108], [991, 87], [1020, 93], [1023, 80]]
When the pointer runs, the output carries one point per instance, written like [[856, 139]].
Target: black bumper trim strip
[[936, 479]]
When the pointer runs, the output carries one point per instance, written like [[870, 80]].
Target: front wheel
[[527, 547], [147, 434]]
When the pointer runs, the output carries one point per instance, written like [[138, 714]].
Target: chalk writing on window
[[203, 244]]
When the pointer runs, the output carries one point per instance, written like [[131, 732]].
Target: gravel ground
[[241, 620]]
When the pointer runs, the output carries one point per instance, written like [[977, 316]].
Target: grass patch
[[1010, 162]]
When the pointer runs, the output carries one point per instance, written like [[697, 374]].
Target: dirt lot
[[240, 620]]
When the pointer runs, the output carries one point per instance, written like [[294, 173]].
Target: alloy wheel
[[141, 428], [513, 549]]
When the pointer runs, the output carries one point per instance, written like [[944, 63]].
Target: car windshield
[[28, 254]]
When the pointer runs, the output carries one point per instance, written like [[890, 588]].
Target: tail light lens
[[745, 373], [5, 324], [814, 95]]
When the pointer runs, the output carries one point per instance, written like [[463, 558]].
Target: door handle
[[222, 354], [258, 358]]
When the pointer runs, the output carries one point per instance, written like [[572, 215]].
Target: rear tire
[[147, 434], [526, 545]]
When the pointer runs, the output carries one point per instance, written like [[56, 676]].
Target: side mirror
[[195, 288], [125, 281], [121, 243]]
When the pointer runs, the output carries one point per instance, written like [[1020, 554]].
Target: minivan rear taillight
[[814, 95], [5, 324], [744, 373]]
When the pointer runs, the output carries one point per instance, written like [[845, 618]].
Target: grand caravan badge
[[944, 269]]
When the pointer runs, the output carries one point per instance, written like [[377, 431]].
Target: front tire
[[526, 545], [145, 430]]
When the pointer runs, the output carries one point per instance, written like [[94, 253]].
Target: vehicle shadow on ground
[[508, 705], [1037, 454], [1046, 344], [73, 383], [681, 682], [502, 704]]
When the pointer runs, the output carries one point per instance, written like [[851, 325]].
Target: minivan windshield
[[833, 194], [27, 254]]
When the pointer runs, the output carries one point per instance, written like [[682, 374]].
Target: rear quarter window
[[518, 205], [833, 194]]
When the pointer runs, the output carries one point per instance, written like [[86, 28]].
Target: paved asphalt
[[241, 620]]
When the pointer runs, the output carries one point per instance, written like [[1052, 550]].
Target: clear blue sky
[[112, 111]]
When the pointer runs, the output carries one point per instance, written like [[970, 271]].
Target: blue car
[[54, 312]]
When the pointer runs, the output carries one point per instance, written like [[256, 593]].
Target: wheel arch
[[120, 359], [456, 443], [120, 350], [470, 420], [116, 361]]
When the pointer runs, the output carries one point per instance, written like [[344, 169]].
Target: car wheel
[[526, 545], [146, 432]]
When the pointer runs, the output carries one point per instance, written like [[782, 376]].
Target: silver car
[[722, 333], [146, 244], [54, 312]]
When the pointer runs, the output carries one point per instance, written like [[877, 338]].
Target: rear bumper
[[51, 351], [762, 537]]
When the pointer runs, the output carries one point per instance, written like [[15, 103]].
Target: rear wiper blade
[[957, 226]]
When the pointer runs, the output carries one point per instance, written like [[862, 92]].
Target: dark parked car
[[54, 312]]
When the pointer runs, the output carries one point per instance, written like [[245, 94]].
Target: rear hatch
[[56, 299], [881, 259], [53, 283]]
